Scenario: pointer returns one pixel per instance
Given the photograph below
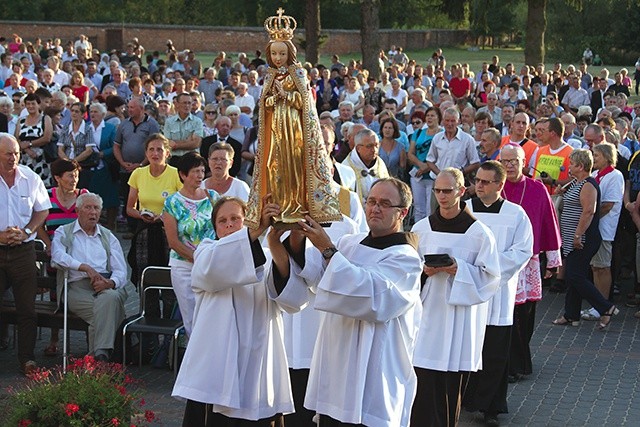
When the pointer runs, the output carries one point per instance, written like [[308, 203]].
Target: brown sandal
[[611, 312], [563, 321]]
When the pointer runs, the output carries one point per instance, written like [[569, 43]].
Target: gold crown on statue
[[280, 27]]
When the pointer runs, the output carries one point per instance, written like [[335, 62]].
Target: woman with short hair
[[581, 239]]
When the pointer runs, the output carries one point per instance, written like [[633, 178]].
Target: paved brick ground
[[582, 376]]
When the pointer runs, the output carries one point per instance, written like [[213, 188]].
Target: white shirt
[[86, 249], [27, 195], [611, 190], [246, 101], [61, 78], [457, 153]]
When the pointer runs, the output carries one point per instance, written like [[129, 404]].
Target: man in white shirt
[[59, 76], [97, 273], [244, 100], [24, 205]]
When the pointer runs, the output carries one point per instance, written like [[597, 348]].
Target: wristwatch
[[329, 252], [28, 231]]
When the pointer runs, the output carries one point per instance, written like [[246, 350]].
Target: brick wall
[[214, 39]]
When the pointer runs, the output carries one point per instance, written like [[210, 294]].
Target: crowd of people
[[505, 179]]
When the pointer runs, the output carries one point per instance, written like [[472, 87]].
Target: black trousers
[[303, 417], [439, 398], [524, 322], [327, 421], [197, 414], [487, 389]]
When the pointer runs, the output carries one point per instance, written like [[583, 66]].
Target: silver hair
[[100, 107], [365, 133], [83, 198]]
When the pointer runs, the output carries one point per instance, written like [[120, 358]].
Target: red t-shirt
[[79, 92], [459, 87]]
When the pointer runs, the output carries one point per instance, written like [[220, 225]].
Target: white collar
[[81, 130]]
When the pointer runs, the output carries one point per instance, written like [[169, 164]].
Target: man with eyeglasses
[[365, 162], [367, 289], [487, 389], [533, 197], [459, 283]]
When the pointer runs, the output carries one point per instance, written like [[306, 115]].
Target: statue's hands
[[280, 89]]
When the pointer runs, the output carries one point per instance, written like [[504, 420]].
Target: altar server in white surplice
[[301, 330], [368, 289], [487, 389], [235, 366], [454, 302]]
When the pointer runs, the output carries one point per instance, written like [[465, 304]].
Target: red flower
[[121, 389], [71, 408], [142, 402], [149, 415], [115, 422], [24, 423]]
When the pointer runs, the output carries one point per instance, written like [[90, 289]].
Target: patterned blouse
[[193, 218]]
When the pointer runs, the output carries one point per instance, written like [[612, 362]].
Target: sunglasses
[[417, 122], [443, 190], [483, 181]]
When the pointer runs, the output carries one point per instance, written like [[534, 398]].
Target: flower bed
[[91, 393]]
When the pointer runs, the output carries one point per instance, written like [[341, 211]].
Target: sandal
[[51, 350], [602, 325], [563, 321]]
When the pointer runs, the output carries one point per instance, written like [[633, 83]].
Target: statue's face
[[279, 54]]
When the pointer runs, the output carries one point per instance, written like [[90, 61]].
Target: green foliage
[[607, 27], [91, 393]]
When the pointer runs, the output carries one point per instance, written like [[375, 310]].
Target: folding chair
[[153, 278]]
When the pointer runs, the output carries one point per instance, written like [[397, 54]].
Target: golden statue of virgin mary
[[291, 162]]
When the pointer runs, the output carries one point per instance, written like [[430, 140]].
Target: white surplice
[[361, 371], [235, 359], [513, 233], [455, 308], [301, 329]]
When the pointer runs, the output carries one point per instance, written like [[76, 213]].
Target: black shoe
[[514, 378], [102, 358], [491, 420]]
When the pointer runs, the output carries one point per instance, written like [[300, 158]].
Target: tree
[[312, 31], [536, 26], [369, 34]]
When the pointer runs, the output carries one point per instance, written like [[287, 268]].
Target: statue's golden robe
[[291, 163]]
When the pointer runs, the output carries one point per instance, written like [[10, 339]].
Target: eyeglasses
[[444, 190], [479, 181], [417, 122], [209, 112], [512, 162], [383, 204]]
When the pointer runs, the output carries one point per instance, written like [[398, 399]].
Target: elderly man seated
[[97, 274]]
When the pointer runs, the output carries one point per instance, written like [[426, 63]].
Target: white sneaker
[[590, 314]]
